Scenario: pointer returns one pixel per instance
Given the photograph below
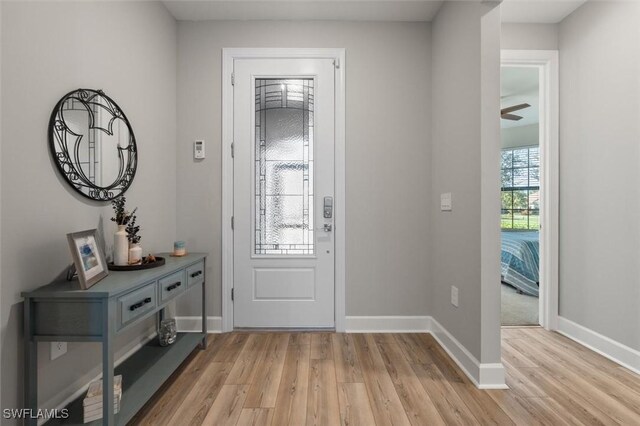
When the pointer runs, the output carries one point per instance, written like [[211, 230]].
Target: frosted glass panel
[[285, 221], [284, 134], [284, 166], [284, 178]]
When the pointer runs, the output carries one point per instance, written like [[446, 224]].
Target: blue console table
[[62, 312]]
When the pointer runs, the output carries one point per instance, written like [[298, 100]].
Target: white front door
[[283, 131]]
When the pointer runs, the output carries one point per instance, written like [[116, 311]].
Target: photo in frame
[[88, 257]]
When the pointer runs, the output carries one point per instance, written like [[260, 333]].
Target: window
[[284, 166], [520, 177]]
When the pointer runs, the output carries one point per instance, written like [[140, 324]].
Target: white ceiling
[[520, 85], [522, 11], [349, 10], [538, 11]]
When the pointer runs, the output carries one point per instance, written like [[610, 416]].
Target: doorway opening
[[520, 195], [529, 188]]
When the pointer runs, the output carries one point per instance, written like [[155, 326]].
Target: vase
[[135, 254], [121, 247], [167, 333]]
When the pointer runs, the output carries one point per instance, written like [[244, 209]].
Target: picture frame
[[88, 257]]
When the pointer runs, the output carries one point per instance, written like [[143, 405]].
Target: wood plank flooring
[[301, 378]]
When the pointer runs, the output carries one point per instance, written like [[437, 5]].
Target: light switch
[[445, 202]]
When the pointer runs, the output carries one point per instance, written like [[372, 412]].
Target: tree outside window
[[520, 180]]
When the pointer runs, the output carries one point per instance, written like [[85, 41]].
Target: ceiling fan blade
[[514, 108], [510, 117]]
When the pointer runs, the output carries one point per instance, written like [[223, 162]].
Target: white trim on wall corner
[[491, 376], [194, 324], [484, 376], [605, 346]]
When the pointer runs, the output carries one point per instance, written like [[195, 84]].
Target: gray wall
[[1, 340], [529, 36], [387, 153], [129, 51], [599, 173], [464, 251]]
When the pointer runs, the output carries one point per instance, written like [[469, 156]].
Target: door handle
[[328, 227]]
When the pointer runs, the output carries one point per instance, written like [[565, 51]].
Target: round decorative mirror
[[92, 144]]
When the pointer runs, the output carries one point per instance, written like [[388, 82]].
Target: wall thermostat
[[198, 149], [446, 204]]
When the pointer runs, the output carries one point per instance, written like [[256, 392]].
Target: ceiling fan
[[505, 112]]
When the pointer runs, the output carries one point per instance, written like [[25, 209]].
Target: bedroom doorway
[[520, 195], [528, 170]]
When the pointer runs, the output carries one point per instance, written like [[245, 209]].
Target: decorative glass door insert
[[283, 175]]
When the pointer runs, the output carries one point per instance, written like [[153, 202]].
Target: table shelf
[[143, 373]]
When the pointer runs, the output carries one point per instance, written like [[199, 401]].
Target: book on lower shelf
[[92, 403], [96, 413]]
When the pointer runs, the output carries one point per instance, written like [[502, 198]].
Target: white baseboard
[[388, 324], [194, 324], [484, 376], [60, 401], [492, 376], [605, 346]]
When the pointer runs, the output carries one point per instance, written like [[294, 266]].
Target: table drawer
[[137, 303], [195, 273], [171, 286]]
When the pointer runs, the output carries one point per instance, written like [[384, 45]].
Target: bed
[[520, 260]]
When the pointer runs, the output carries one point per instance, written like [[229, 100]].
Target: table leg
[[108, 319], [204, 315], [160, 318], [30, 365]]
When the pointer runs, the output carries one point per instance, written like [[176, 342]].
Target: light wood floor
[[384, 379]]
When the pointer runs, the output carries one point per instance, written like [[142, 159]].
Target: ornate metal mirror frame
[[92, 144]]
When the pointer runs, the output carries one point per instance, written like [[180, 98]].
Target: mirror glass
[[93, 144]]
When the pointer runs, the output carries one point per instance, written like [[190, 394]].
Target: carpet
[[518, 309]]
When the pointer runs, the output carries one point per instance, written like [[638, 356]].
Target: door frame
[[228, 57], [547, 62]]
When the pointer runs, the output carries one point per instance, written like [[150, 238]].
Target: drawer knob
[[174, 286], [140, 304], [195, 274]]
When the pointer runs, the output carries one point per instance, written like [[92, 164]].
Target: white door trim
[[228, 56], [547, 62]]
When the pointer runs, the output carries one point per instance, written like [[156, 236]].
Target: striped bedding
[[521, 260]]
